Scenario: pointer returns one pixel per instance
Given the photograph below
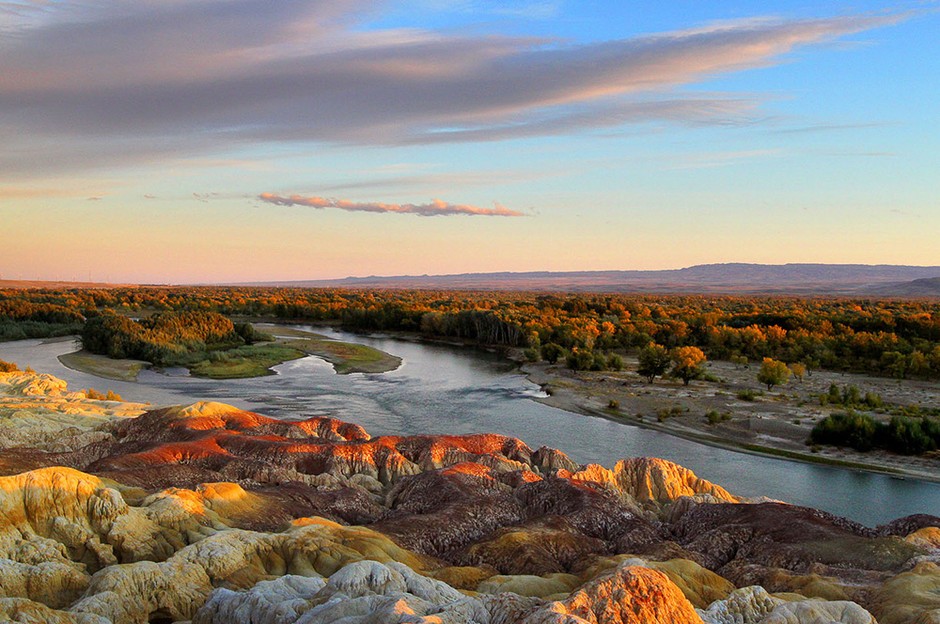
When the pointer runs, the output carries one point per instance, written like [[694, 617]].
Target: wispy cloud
[[435, 208], [117, 83], [709, 160]]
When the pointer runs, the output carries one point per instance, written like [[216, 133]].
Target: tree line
[[165, 339], [882, 337]]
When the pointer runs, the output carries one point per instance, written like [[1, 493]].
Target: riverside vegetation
[[672, 336]]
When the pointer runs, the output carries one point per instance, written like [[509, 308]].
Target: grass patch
[[346, 357], [103, 366], [245, 361]]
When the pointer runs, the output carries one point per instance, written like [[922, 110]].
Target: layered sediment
[[111, 512]]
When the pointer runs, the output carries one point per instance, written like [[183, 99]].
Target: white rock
[[747, 605], [819, 612]]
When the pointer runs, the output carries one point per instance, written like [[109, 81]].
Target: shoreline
[[574, 402], [345, 358], [571, 394], [578, 405]]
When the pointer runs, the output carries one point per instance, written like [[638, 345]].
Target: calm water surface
[[448, 390]]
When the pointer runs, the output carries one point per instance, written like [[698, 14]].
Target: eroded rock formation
[[113, 513]]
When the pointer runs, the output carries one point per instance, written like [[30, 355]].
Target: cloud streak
[[118, 83], [435, 208]]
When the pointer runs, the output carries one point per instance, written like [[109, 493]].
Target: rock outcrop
[[110, 513]]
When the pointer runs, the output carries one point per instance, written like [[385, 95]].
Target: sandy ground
[[777, 422]]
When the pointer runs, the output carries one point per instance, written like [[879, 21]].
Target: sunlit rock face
[[37, 412], [207, 513]]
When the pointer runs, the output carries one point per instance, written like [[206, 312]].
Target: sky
[[194, 141]]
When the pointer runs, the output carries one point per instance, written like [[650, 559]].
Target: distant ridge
[[57, 285], [800, 279], [857, 280], [926, 287]]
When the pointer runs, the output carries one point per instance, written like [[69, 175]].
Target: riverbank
[[103, 366], [770, 424]]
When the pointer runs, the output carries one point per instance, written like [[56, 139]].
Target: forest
[[894, 338], [164, 339]]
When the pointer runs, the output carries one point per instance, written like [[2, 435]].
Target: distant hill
[[798, 279], [860, 280], [26, 284], [927, 287]]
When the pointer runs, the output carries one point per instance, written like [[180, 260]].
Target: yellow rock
[[529, 585], [38, 411], [910, 597], [629, 595], [811, 585], [928, 537], [649, 479], [26, 611], [465, 578], [52, 583], [699, 585]]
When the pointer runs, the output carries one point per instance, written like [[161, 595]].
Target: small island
[[209, 345]]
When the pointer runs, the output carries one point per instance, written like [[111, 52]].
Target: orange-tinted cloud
[[435, 208]]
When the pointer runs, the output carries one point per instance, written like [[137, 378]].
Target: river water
[[441, 389]]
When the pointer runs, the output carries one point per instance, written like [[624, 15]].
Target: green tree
[[654, 360], [773, 373], [688, 363], [551, 352], [799, 370], [580, 359]]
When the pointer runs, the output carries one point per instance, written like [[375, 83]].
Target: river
[[440, 389]]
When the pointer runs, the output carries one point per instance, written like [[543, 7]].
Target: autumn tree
[[688, 363], [654, 360], [773, 373], [798, 369]]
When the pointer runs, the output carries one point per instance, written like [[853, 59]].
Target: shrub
[[714, 417], [8, 367], [846, 429], [531, 354], [551, 352], [580, 360]]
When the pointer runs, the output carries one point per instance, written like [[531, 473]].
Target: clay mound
[[661, 481], [908, 524], [192, 421], [789, 548], [21, 383], [629, 595], [38, 414], [548, 546]]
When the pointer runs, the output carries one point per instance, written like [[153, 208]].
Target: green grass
[[103, 366], [247, 361], [346, 357]]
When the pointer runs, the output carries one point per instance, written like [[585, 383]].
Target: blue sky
[[227, 140]]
